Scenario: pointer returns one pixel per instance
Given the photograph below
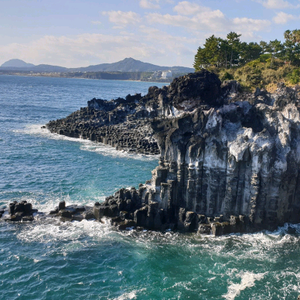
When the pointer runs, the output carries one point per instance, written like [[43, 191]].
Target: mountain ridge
[[125, 65]]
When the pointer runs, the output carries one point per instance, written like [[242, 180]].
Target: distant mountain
[[49, 68], [16, 64], [131, 65], [125, 65]]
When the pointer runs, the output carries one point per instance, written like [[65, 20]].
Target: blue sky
[[74, 33]]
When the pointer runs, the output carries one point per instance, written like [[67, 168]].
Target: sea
[[49, 259]]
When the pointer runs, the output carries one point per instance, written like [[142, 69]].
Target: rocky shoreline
[[229, 160]]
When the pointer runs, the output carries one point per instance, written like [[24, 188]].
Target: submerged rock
[[229, 160]]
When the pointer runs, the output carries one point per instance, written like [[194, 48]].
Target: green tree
[[264, 46], [292, 46], [234, 43], [275, 48], [249, 52], [200, 60], [210, 54]]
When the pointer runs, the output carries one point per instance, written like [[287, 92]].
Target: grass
[[263, 73]]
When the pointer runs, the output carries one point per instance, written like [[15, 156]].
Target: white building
[[166, 74]]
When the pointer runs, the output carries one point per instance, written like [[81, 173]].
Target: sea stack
[[229, 160]]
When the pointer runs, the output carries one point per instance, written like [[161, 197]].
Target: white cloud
[[78, 51], [149, 4], [180, 50], [208, 20], [122, 18], [188, 8], [150, 45], [202, 19], [247, 24], [277, 4], [283, 18]]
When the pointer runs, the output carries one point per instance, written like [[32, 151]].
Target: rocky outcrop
[[23, 212], [20, 211], [117, 123], [126, 123], [229, 160]]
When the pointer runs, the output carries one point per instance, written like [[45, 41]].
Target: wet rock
[[89, 214], [20, 211], [61, 205]]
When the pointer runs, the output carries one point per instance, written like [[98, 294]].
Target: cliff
[[229, 160]]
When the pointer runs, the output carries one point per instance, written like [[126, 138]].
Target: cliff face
[[229, 161], [235, 159]]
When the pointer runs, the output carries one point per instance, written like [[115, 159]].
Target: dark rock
[[61, 205], [97, 212], [53, 212], [191, 221], [15, 218], [89, 214], [66, 213], [195, 89], [77, 217], [140, 216], [229, 160]]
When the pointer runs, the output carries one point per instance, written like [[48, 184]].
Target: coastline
[[71, 76], [213, 142]]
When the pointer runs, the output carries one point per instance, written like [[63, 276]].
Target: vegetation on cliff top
[[252, 64]]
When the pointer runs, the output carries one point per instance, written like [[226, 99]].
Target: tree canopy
[[231, 52]]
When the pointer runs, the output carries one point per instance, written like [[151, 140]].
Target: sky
[[78, 33]]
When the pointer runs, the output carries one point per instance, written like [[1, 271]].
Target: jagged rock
[[23, 211], [229, 160], [61, 205], [126, 123], [19, 211], [195, 89]]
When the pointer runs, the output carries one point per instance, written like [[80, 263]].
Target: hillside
[[16, 64], [125, 65], [131, 65], [261, 73]]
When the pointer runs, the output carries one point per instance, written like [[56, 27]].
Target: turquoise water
[[90, 260]]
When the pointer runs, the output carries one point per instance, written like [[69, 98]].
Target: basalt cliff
[[229, 161]]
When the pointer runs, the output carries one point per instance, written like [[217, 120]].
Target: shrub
[[264, 57], [227, 76], [294, 77]]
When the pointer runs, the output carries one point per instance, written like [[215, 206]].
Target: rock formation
[[23, 212], [229, 160]]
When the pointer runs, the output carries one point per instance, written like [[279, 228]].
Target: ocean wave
[[86, 145], [72, 234]]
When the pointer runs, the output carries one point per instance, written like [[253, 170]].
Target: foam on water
[[86, 145], [130, 295], [248, 280], [52, 230]]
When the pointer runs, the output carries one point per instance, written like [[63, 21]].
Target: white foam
[[247, 280], [86, 145], [51, 230], [107, 150], [130, 295]]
